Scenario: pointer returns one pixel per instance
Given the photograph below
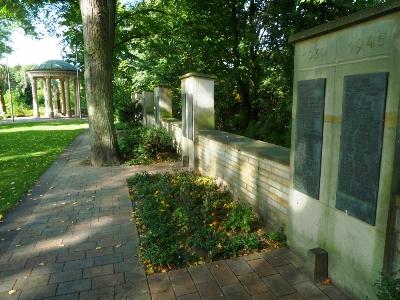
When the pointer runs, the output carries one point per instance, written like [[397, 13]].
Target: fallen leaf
[[10, 292], [98, 248]]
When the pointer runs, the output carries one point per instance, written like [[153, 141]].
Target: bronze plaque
[[363, 113], [309, 135]]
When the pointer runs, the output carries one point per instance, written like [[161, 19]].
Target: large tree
[[98, 19]]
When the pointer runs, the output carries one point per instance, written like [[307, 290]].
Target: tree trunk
[[3, 108], [98, 17]]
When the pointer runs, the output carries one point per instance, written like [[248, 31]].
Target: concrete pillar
[[67, 98], [162, 103], [148, 107], [48, 98], [62, 95], [197, 111], [77, 100], [57, 102], [35, 103]]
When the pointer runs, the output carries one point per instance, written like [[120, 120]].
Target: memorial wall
[[345, 119]]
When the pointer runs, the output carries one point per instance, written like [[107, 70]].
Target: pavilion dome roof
[[55, 65]]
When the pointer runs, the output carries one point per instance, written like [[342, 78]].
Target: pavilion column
[[67, 98], [48, 98], [35, 103], [57, 101], [62, 94], [77, 100]]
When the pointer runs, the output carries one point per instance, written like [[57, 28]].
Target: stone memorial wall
[[341, 203]]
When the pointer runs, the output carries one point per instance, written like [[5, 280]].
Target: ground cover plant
[[186, 219], [26, 151], [140, 145]]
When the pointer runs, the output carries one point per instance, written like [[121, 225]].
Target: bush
[[144, 145], [185, 219], [388, 288]]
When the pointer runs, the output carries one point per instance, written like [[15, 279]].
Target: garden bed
[[185, 219], [140, 145]]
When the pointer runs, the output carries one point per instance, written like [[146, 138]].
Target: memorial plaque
[[363, 113], [189, 111], [184, 130], [309, 134]]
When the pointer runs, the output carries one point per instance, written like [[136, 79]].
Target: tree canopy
[[243, 42]]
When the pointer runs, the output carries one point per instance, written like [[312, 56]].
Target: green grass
[[26, 151]]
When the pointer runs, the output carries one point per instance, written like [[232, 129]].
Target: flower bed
[[186, 219]]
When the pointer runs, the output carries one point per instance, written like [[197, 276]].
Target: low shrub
[[144, 145], [388, 288], [186, 219]]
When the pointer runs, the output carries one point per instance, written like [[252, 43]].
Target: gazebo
[[65, 73]]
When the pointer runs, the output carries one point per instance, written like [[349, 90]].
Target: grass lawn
[[26, 151]]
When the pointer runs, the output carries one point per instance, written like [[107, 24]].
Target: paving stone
[[278, 285], [108, 280], [332, 292], [239, 266], [108, 259], [235, 292], [222, 274], [200, 274], [71, 256], [291, 274], [38, 292], [65, 276], [253, 284], [265, 296], [261, 267], [182, 283], [164, 295], [74, 286], [5, 286], [138, 297], [79, 264], [100, 293], [47, 269], [98, 271], [40, 260], [131, 288], [32, 281], [295, 296], [7, 296], [210, 290], [159, 282], [99, 252], [73, 296], [252, 256], [275, 259], [194, 296], [309, 291], [89, 245]]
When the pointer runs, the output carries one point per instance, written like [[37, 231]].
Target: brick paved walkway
[[73, 238]]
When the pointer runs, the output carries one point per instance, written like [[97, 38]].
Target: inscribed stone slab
[[364, 102], [309, 135]]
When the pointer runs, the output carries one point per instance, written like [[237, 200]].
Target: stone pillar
[[48, 98], [57, 101], [197, 111], [77, 100], [148, 107], [162, 103], [62, 94], [35, 103], [67, 98]]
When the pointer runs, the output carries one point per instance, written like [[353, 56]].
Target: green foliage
[[144, 145], [277, 236], [388, 288], [184, 218], [26, 151], [128, 112]]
